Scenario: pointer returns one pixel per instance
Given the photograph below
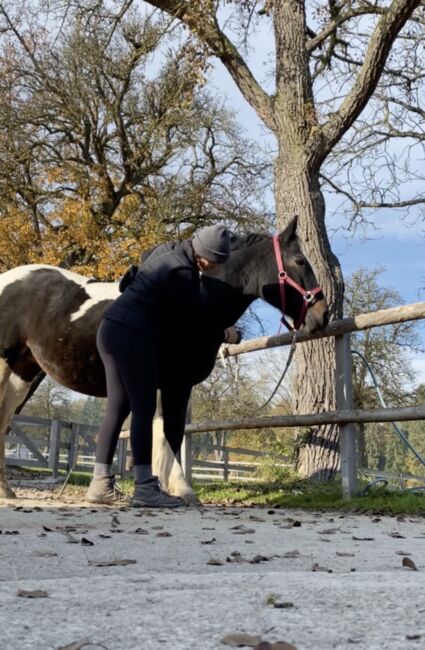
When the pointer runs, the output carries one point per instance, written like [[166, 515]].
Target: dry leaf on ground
[[35, 593], [238, 640], [111, 562], [407, 562]]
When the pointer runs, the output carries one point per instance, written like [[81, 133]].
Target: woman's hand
[[232, 335]]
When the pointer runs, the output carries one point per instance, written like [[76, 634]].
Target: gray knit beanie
[[212, 243]]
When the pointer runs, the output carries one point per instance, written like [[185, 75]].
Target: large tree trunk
[[297, 191]]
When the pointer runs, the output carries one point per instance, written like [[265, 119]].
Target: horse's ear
[[290, 231]]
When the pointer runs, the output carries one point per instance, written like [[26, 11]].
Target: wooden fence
[[345, 416], [46, 451], [55, 445]]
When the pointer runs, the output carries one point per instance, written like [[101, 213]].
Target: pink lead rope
[[283, 277]]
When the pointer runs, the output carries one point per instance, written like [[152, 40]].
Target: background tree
[[51, 401], [109, 141], [386, 349]]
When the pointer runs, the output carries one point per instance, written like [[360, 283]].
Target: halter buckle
[[282, 275], [308, 296]]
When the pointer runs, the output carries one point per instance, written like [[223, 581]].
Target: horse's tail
[[128, 277]]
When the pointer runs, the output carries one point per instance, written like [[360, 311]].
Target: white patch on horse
[[97, 292], [21, 272]]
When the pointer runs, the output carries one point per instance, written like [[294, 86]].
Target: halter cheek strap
[[307, 295]]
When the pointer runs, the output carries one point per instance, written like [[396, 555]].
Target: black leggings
[[132, 366], [130, 358]]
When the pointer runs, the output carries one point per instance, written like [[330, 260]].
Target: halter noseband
[[309, 297]]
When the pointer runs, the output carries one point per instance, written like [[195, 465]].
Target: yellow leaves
[[19, 243], [81, 239]]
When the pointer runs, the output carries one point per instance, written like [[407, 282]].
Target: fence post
[[122, 457], [344, 400], [186, 451], [54, 446], [73, 445], [225, 463]]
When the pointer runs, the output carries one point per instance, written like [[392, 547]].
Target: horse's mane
[[238, 241]]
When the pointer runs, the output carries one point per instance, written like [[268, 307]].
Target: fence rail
[[345, 416]]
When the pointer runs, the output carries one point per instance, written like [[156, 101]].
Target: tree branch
[[385, 32], [210, 33]]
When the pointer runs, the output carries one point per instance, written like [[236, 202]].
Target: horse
[[49, 317]]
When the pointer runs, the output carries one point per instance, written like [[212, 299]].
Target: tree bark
[[297, 191]]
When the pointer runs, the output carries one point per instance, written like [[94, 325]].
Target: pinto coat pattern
[[49, 318]]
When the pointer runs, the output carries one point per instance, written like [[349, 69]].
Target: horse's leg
[[168, 434], [5, 372], [13, 395]]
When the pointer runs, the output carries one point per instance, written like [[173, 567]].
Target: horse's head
[[293, 287]]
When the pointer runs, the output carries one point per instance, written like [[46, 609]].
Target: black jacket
[[166, 296]]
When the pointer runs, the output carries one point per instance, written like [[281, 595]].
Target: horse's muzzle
[[317, 317]]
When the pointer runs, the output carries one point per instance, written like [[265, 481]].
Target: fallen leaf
[[140, 531], [363, 539], [84, 643], [283, 605], [291, 554], [208, 541], [259, 558], [264, 645], [242, 530], [36, 593], [402, 553], [111, 562], [342, 554], [104, 536], [413, 637], [317, 567], [77, 645], [329, 531], [237, 557], [407, 562], [70, 539], [86, 542], [164, 534], [240, 640], [214, 562], [282, 645], [396, 535], [44, 554], [115, 521]]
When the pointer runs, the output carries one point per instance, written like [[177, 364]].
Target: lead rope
[[225, 358], [285, 370]]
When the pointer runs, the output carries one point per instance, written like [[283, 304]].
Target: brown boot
[[103, 489]]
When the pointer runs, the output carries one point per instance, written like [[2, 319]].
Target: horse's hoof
[[6, 492], [190, 499]]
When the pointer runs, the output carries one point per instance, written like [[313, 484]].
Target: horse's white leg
[[166, 466], [5, 373], [13, 390]]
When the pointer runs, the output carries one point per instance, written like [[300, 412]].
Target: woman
[[162, 301]]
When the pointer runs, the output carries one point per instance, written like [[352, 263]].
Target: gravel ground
[[121, 578]]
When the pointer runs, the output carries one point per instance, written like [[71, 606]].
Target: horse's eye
[[300, 260]]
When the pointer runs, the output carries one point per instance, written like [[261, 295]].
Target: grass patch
[[289, 493], [311, 496]]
